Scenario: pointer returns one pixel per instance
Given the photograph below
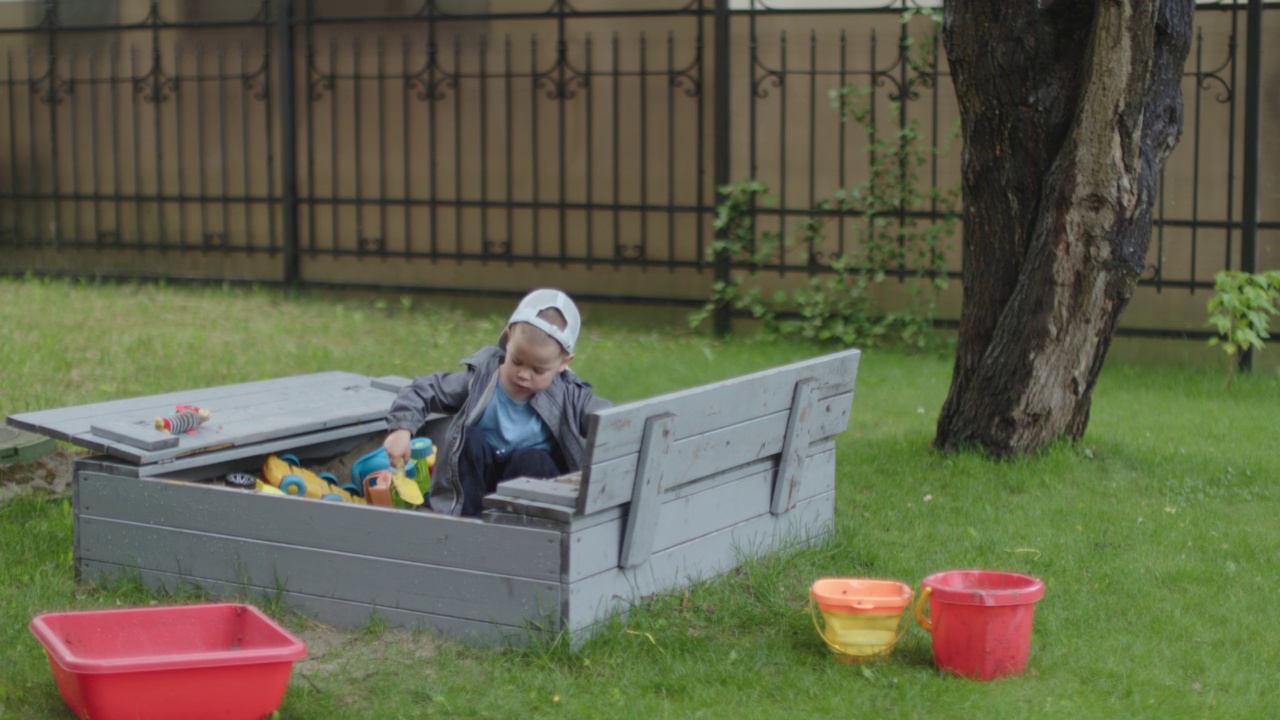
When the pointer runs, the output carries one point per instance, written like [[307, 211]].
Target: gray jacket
[[565, 407]]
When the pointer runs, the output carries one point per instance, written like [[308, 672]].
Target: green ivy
[[1240, 311], [836, 305]]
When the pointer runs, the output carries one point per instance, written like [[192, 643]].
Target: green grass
[[1156, 536]]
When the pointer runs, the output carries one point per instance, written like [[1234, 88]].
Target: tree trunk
[[1068, 110]]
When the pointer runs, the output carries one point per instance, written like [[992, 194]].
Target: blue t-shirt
[[509, 425]]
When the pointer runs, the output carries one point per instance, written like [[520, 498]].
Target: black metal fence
[[299, 141]]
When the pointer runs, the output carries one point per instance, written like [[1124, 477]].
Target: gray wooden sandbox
[[674, 489]]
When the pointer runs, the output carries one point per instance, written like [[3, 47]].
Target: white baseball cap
[[539, 300]]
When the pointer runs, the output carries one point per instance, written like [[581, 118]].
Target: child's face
[[530, 365]]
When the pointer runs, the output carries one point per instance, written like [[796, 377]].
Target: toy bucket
[[861, 617], [980, 621]]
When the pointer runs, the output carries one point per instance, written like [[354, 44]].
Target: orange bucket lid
[[860, 595]]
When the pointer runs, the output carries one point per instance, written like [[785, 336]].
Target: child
[[518, 410]]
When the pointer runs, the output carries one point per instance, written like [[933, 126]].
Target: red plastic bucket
[[980, 621]]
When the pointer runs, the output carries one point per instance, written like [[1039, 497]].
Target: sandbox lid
[[20, 446], [245, 418]]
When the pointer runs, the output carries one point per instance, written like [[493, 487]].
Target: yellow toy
[[269, 489], [284, 472]]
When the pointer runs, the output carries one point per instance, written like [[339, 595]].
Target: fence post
[[1252, 148], [720, 128], [288, 145]]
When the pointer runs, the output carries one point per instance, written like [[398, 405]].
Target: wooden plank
[[340, 613], [371, 580], [275, 413], [508, 519], [276, 417], [595, 550], [520, 507], [324, 444], [642, 519], [139, 434], [242, 414], [694, 511], [593, 599], [795, 447], [616, 430], [609, 483], [104, 464], [390, 383], [223, 460], [549, 491], [359, 530], [75, 419]]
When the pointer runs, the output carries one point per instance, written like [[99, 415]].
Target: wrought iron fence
[[453, 145]]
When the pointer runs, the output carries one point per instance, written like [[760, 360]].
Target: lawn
[[1156, 536]]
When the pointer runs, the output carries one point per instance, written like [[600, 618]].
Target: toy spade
[[406, 488]]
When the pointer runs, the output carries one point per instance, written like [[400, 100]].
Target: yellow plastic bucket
[[861, 619]]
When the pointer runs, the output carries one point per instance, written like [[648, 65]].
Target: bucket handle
[[925, 622], [836, 649]]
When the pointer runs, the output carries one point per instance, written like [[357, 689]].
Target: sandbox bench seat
[[674, 489]]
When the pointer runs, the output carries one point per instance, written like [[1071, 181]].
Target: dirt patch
[[356, 654], [341, 465], [50, 474]]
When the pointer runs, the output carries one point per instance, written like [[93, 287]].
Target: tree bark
[[1068, 110]]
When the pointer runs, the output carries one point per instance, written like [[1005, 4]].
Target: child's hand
[[397, 447]]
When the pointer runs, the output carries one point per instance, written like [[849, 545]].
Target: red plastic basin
[[215, 660]]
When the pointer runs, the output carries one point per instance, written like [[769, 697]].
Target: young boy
[[518, 410]]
